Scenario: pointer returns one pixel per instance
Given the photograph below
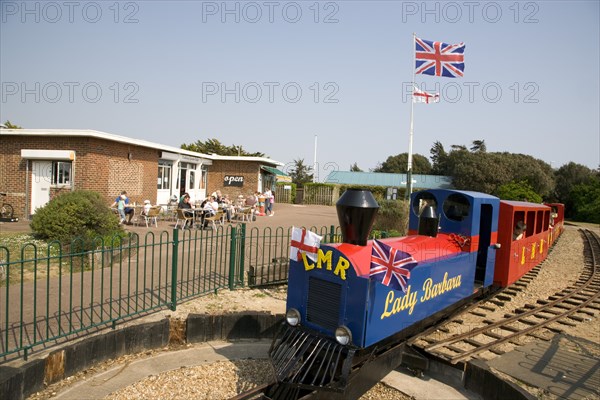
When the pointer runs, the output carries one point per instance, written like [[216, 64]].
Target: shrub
[[79, 214], [586, 202], [392, 216], [520, 191]]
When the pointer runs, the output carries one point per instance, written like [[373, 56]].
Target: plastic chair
[[215, 219], [183, 218], [247, 214], [153, 214]]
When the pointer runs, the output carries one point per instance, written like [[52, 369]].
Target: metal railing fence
[[52, 294]]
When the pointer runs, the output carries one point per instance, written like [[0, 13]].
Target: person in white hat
[[147, 207]]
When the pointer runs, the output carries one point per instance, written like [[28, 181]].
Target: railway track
[[567, 307]]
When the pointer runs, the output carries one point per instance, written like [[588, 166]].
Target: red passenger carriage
[[519, 253]]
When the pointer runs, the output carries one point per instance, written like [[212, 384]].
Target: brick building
[[36, 165]]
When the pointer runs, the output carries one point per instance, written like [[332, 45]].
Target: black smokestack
[[428, 222], [356, 210]]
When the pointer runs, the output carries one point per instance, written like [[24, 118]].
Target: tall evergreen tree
[[214, 146], [478, 146], [354, 168], [439, 158], [10, 125], [301, 173]]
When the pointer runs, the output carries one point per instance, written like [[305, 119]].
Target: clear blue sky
[[271, 75]]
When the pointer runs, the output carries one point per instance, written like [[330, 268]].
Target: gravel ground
[[219, 380], [225, 379]]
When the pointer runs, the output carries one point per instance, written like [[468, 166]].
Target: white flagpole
[[410, 135], [315, 171]]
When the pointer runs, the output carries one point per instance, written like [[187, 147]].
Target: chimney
[[356, 211]]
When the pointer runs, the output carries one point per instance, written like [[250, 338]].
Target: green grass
[[14, 243]]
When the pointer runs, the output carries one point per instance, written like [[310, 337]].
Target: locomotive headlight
[[343, 335], [292, 316]]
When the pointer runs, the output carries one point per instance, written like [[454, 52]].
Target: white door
[[41, 177]]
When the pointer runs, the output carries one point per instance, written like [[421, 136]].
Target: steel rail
[[577, 291]]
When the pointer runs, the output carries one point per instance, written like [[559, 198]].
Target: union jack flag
[[391, 266], [439, 59]]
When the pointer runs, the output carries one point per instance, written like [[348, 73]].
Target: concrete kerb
[[19, 380], [480, 379]]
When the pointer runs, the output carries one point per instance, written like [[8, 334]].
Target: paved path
[[286, 215]]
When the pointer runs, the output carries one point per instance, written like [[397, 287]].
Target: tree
[[458, 147], [301, 173], [214, 146], [520, 191], [486, 172], [478, 146], [585, 198], [354, 168], [482, 172], [439, 158], [398, 164], [10, 125], [567, 177], [536, 172]]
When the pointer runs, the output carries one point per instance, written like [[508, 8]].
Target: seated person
[[519, 232], [211, 206], [227, 207], [217, 195], [121, 209], [127, 210], [173, 200], [147, 207], [553, 216], [251, 200], [210, 209], [185, 206]]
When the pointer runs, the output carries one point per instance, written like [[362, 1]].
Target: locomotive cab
[[470, 218]]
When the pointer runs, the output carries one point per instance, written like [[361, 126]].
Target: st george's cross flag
[[439, 59], [306, 242], [420, 96], [391, 266]]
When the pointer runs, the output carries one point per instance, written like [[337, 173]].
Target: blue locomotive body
[[336, 290]]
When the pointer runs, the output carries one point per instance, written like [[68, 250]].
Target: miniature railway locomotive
[[351, 303]]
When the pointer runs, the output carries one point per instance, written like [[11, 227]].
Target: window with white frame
[[61, 173], [192, 179], [203, 176], [164, 175]]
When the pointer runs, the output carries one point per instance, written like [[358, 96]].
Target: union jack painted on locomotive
[[439, 59], [391, 266]]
